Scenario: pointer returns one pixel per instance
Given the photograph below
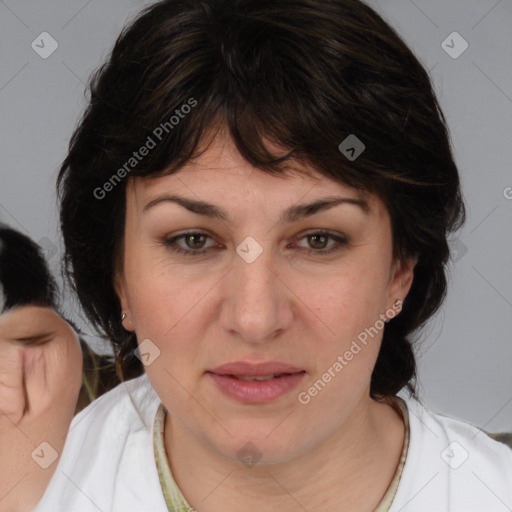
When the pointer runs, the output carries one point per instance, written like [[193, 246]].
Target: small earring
[[123, 316], [398, 304]]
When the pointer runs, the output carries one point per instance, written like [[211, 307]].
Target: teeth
[[260, 378]]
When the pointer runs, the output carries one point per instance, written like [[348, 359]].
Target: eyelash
[[171, 243]]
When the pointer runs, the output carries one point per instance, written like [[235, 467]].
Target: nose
[[256, 303]]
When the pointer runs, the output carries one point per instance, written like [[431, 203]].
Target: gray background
[[466, 353]]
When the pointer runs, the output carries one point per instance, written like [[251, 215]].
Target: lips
[[256, 383], [246, 371], [261, 383]]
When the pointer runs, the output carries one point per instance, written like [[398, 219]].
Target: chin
[[258, 449]]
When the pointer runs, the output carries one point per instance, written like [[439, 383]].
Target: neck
[[350, 470]]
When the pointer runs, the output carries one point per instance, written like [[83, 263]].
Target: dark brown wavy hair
[[303, 74]]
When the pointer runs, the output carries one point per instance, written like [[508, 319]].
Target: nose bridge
[[255, 282], [254, 295]]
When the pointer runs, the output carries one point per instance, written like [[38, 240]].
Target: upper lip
[[244, 369]]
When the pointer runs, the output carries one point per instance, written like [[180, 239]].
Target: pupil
[[192, 237], [316, 237]]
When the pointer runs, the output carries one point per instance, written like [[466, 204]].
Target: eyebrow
[[292, 214]]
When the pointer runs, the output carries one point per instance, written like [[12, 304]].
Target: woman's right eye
[[195, 236]]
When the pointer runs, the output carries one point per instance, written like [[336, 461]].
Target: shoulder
[[108, 460], [452, 465]]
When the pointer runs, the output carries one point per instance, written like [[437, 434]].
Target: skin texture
[[40, 378], [339, 451]]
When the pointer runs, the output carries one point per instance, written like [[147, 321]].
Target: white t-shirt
[[108, 462]]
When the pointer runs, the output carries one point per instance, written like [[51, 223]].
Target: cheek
[[166, 307], [349, 334], [148, 288], [350, 302]]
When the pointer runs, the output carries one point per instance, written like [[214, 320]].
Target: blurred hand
[[40, 379]]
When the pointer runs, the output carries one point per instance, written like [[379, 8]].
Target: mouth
[[256, 383]]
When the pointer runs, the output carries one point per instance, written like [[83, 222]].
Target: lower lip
[[256, 392]]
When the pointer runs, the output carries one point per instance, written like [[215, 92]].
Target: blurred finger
[[13, 392]]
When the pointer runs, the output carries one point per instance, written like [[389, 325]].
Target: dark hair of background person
[[25, 280], [302, 74], [24, 275]]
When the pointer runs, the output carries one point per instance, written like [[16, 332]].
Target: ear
[[120, 288], [401, 278]]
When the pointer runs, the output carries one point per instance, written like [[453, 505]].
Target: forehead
[[222, 176], [29, 320]]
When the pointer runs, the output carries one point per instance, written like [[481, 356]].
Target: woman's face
[[259, 290]]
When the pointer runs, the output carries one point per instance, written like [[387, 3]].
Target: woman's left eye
[[321, 238], [194, 238]]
